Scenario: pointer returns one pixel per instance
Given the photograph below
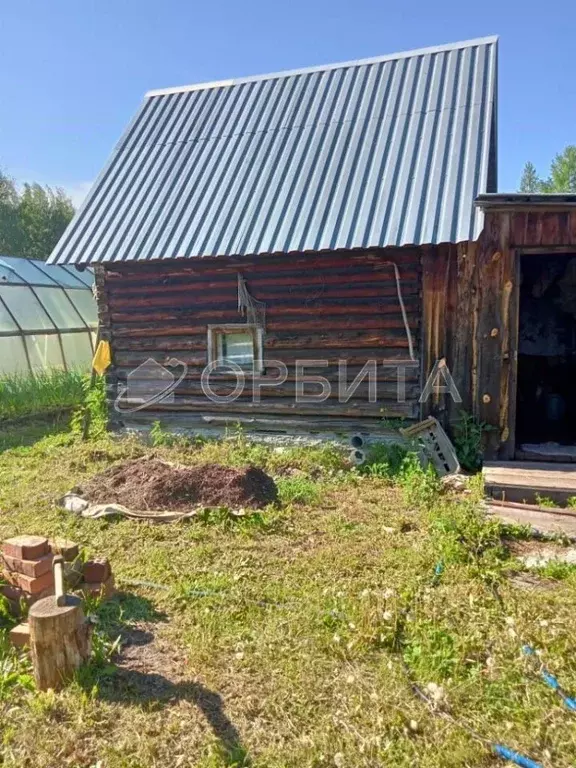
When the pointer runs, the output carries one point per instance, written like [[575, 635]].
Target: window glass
[[85, 304], [6, 322], [26, 308], [44, 351], [12, 355], [59, 307], [236, 348], [77, 350]]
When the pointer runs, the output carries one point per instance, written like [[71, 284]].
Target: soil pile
[[153, 484]]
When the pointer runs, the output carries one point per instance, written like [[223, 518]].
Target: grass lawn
[[284, 638]]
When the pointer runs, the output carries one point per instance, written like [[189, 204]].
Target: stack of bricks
[[98, 579], [26, 566]]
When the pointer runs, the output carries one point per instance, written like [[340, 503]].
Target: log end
[[49, 608]]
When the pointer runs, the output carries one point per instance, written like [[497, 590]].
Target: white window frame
[[214, 331]]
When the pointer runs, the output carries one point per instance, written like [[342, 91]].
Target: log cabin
[[326, 237]]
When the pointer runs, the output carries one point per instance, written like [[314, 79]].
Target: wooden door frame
[[508, 447], [510, 360]]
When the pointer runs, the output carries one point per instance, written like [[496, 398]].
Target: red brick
[[25, 547], [12, 593], [32, 568], [103, 589], [18, 599], [30, 585], [97, 569], [68, 549], [20, 635]]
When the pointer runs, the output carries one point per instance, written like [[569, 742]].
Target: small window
[[237, 344]]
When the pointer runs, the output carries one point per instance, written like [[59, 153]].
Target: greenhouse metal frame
[[48, 316]]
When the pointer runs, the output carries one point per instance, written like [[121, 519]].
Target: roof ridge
[[326, 67]]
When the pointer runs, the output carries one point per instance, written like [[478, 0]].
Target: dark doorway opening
[[546, 405]]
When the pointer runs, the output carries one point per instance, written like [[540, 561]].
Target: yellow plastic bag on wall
[[102, 358]]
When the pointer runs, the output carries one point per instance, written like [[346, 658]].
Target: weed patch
[[93, 407], [298, 490], [33, 394], [468, 437]]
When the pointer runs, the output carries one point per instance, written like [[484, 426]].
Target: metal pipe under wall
[[357, 457], [357, 441]]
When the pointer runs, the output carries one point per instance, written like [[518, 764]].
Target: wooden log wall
[[334, 306], [470, 313]]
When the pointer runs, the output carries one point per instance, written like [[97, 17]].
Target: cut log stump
[[59, 640]]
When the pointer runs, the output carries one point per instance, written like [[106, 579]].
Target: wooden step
[[526, 481]]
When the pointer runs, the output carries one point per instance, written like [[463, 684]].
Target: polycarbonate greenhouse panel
[[48, 317], [26, 308], [77, 350], [60, 308], [85, 304], [64, 277], [44, 351], [6, 320], [27, 273], [13, 358]]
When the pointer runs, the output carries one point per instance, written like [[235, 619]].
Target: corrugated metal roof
[[378, 152]]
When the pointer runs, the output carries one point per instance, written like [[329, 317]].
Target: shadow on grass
[[28, 430], [130, 686], [149, 674], [117, 616]]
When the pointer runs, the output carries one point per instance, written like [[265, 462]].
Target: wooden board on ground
[[547, 522], [526, 481]]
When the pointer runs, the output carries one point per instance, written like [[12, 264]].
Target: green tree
[[33, 219], [529, 181], [9, 224], [562, 172], [562, 176]]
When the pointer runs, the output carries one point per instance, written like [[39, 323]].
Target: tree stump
[[59, 640]]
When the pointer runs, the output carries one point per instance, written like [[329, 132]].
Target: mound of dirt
[[153, 484]]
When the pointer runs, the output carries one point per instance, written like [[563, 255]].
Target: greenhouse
[[47, 316]]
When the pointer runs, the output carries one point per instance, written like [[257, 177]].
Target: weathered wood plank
[[393, 344]]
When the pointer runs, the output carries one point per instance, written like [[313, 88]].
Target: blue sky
[[72, 72]]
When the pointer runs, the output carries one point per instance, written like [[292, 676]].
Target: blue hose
[[515, 757], [551, 681]]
